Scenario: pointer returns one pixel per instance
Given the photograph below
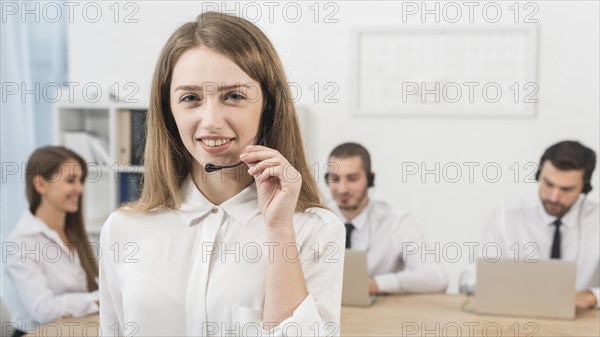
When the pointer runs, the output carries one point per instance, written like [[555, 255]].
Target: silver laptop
[[355, 291], [540, 289]]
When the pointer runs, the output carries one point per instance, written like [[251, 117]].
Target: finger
[[253, 157], [273, 172], [251, 148], [285, 174], [257, 148], [258, 168]]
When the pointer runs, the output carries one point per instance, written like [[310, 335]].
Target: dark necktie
[[556, 240], [349, 228]]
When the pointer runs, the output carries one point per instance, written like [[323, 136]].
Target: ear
[[40, 184]]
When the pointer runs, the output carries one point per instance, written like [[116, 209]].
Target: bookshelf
[[112, 179]]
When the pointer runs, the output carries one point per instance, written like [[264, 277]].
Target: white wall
[[106, 52]]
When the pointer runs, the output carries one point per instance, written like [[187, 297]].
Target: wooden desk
[[408, 315], [441, 315]]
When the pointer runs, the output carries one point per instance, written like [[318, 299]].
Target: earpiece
[[371, 179]]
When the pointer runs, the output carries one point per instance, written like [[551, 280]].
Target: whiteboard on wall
[[477, 71]]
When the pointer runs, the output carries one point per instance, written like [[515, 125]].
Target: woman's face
[[64, 189], [216, 106]]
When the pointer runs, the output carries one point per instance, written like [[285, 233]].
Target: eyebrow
[[564, 188], [351, 175], [221, 87]]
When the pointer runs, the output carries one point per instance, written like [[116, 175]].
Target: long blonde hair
[[167, 163], [46, 162]]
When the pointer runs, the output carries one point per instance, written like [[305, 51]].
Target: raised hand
[[278, 184]]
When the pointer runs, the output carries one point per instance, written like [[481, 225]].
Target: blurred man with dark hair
[[393, 240], [561, 223]]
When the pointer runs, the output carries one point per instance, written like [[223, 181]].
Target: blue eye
[[189, 98], [234, 96]]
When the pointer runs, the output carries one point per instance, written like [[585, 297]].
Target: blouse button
[[215, 209]]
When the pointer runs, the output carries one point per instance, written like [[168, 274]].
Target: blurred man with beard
[[393, 240], [561, 223]]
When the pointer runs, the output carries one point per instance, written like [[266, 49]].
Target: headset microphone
[[209, 168], [212, 167]]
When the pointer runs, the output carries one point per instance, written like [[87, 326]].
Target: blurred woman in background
[[53, 267]]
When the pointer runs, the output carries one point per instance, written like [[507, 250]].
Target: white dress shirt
[[48, 279], [526, 228], [200, 270], [395, 244]]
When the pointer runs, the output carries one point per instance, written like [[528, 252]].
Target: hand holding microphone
[[278, 184]]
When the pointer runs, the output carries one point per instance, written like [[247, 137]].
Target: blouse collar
[[242, 207]]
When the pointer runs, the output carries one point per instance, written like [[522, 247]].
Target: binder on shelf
[[130, 186], [124, 138], [138, 136]]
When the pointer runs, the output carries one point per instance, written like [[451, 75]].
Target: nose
[[342, 186], [212, 115], [554, 195], [79, 187]]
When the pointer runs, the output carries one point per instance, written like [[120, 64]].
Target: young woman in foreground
[[245, 249]]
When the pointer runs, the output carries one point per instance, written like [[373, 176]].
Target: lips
[[215, 144], [72, 203], [553, 205]]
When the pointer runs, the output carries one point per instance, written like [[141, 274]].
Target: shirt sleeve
[[596, 292], [110, 322], [41, 303], [322, 259], [422, 272]]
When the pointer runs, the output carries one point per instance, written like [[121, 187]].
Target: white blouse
[[201, 270], [48, 279]]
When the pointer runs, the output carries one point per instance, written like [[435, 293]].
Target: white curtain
[[32, 52], [18, 136]]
